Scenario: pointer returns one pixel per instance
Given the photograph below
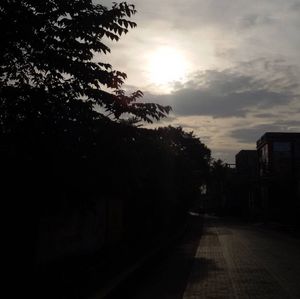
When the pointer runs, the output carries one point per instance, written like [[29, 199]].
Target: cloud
[[244, 58], [295, 6], [259, 86], [254, 20], [210, 34], [207, 13], [252, 134], [265, 115], [230, 109]]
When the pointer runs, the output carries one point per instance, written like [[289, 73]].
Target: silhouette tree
[[59, 147], [219, 187], [49, 64], [193, 158], [55, 93]]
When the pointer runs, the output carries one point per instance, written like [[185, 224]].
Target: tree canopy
[[49, 62], [62, 156]]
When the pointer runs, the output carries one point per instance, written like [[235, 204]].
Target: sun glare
[[166, 65]]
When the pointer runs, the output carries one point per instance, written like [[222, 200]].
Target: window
[[265, 154], [281, 146]]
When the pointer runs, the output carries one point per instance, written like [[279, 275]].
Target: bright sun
[[166, 65]]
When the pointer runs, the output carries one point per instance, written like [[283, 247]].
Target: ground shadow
[[201, 269], [166, 276]]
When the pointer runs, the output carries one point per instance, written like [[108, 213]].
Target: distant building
[[247, 163], [247, 182], [279, 171]]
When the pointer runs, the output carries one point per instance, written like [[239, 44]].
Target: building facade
[[279, 173], [247, 186]]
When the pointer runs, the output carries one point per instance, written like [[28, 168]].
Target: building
[[279, 172], [247, 182], [247, 163]]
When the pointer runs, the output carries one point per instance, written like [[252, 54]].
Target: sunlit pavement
[[243, 261]]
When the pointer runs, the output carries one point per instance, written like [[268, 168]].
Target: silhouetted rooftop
[[278, 136]]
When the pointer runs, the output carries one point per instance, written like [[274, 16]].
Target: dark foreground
[[167, 273], [126, 269], [219, 259], [232, 260]]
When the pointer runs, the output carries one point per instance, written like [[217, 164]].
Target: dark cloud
[[289, 123], [250, 135], [253, 20], [230, 103], [230, 93], [265, 115], [295, 5]]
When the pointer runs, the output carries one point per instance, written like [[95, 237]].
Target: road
[[231, 261]]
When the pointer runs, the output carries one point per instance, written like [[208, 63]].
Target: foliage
[[219, 186], [49, 64], [193, 159], [218, 170], [57, 148]]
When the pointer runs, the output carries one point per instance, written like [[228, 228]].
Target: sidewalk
[[165, 276], [209, 277], [240, 263]]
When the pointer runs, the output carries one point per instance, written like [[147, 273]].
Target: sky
[[230, 69]]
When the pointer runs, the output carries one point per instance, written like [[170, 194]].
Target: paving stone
[[235, 262]]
